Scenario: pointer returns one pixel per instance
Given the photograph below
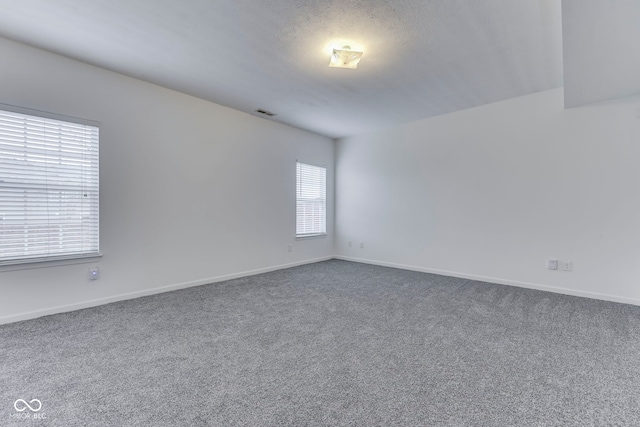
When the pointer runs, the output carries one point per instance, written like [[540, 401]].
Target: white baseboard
[[146, 292], [101, 301], [557, 290]]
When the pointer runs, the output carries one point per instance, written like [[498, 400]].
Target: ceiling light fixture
[[345, 58]]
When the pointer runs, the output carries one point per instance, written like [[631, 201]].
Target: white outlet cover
[[552, 264]]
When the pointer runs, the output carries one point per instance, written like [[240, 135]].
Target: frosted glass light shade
[[345, 58]]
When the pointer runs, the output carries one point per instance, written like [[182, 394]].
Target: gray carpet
[[329, 344]]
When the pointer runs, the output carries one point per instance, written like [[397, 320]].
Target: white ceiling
[[422, 57]]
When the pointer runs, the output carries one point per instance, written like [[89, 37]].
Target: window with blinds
[[48, 187], [311, 200]]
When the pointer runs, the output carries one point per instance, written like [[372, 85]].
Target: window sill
[[52, 262], [311, 236]]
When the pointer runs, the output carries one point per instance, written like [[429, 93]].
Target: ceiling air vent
[[265, 112]]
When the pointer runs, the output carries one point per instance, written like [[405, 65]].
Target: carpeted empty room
[[319, 213], [330, 344]]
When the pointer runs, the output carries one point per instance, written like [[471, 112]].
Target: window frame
[[318, 234], [10, 264]]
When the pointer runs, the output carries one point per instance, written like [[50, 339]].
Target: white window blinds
[[48, 188], [311, 200]]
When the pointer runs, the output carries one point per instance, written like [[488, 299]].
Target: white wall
[[492, 192], [190, 191]]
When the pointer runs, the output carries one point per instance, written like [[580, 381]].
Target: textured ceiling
[[422, 57]]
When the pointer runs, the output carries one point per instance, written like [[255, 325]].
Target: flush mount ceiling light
[[345, 58]]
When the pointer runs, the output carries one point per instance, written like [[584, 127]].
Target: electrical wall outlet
[[290, 248], [567, 265], [361, 245], [552, 264], [94, 273]]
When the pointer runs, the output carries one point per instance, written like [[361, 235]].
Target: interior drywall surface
[[601, 59], [495, 191], [189, 190]]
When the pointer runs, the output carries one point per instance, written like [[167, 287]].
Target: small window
[[48, 187], [311, 200]]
